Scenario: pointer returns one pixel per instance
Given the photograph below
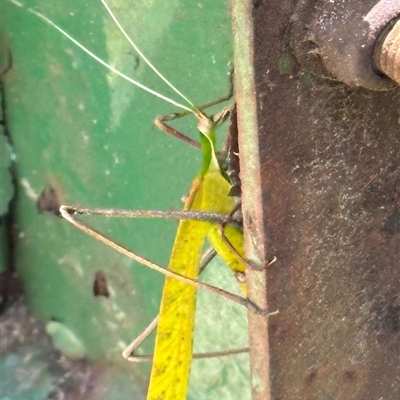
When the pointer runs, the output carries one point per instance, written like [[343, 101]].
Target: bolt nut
[[336, 40]]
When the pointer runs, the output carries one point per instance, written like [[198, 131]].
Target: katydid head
[[207, 127], [207, 124]]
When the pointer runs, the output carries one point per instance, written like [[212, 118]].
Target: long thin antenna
[[110, 67], [145, 59]]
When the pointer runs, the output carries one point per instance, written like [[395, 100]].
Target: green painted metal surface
[[88, 135], [6, 159]]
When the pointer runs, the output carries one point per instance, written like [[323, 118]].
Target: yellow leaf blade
[[173, 349]]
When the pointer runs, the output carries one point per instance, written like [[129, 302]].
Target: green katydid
[[209, 193]]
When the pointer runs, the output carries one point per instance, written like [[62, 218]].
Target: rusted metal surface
[[329, 210], [251, 197]]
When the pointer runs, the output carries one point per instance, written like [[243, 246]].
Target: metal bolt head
[[387, 52]]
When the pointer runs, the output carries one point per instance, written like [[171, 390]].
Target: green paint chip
[[65, 340], [286, 64]]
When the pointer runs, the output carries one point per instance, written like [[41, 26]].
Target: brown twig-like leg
[[129, 355], [168, 129], [221, 231], [120, 249], [161, 122], [128, 352], [155, 214], [196, 356], [228, 96]]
